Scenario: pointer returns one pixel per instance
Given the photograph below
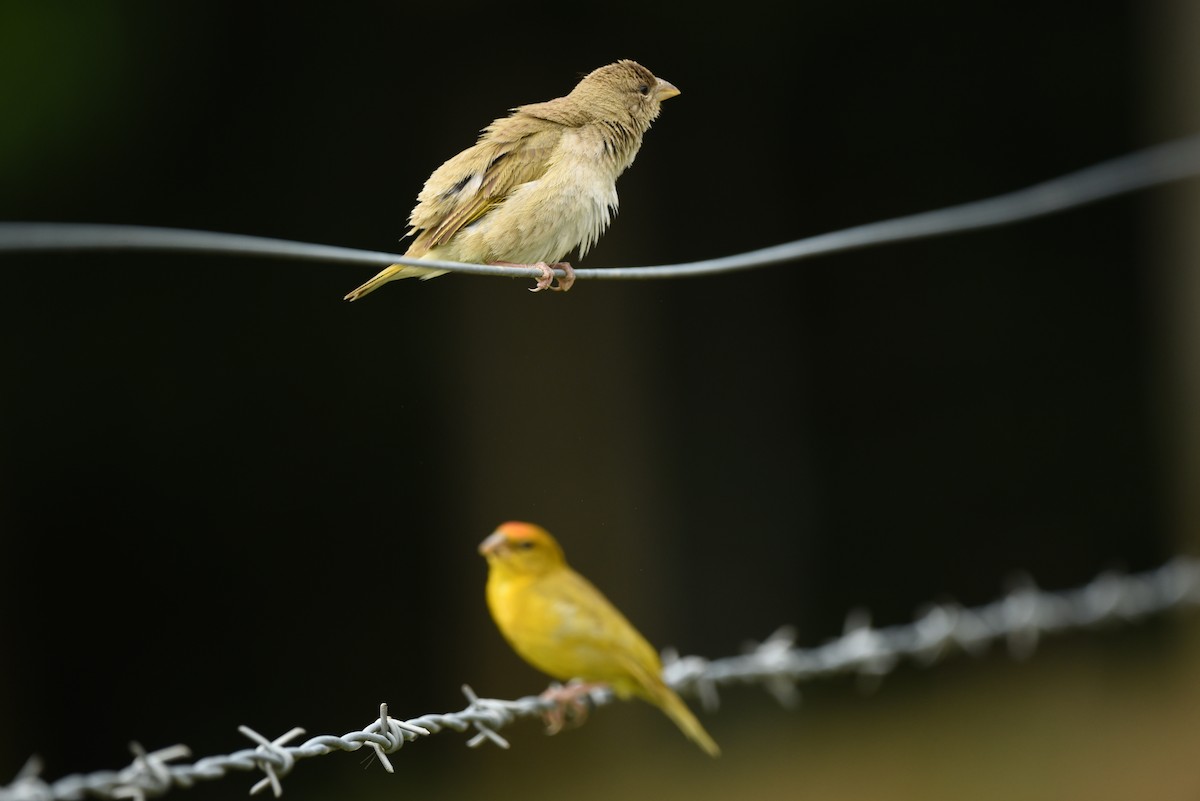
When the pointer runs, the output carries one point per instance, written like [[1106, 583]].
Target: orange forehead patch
[[516, 530]]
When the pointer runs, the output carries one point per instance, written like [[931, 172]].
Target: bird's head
[[522, 548], [624, 92]]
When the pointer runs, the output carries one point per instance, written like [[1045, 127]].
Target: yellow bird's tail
[[393, 273], [665, 699]]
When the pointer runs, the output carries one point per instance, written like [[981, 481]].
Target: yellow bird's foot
[[546, 281], [571, 705]]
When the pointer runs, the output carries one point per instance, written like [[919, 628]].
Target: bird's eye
[[525, 545], [644, 89]]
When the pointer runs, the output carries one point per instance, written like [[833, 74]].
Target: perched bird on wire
[[538, 183], [557, 621]]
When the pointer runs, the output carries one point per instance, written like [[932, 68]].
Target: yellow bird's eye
[[644, 89], [525, 545]]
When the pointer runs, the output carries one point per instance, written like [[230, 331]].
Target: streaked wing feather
[[508, 162]]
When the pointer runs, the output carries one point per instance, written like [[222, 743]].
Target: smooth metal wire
[[1019, 619], [1161, 164]]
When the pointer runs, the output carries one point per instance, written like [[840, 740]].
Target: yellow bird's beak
[[492, 544], [665, 89]]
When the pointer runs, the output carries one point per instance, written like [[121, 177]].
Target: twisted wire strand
[[1020, 619], [1161, 164]]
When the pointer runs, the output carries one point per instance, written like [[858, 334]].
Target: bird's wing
[[595, 632], [511, 152]]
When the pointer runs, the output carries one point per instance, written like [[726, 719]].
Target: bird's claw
[[546, 281], [571, 706]]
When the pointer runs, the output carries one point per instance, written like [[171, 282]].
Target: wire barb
[[149, 773], [486, 714], [1021, 618], [393, 733], [272, 756]]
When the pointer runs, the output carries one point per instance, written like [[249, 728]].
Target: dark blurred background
[[228, 497]]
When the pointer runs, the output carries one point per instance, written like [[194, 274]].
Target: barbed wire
[[1021, 618], [1161, 164]]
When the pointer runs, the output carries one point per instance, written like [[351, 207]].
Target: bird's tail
[[665, 699], [393, 273]]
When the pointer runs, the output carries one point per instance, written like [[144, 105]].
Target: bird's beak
[[491, 544], [665, 89]]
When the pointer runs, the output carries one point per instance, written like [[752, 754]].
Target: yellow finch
[[562, 625], [538, 183]]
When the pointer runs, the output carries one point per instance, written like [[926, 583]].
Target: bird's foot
[[571, 705], [546, 280]]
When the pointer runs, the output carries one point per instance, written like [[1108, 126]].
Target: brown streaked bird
[[538, 183], [557, 621]]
